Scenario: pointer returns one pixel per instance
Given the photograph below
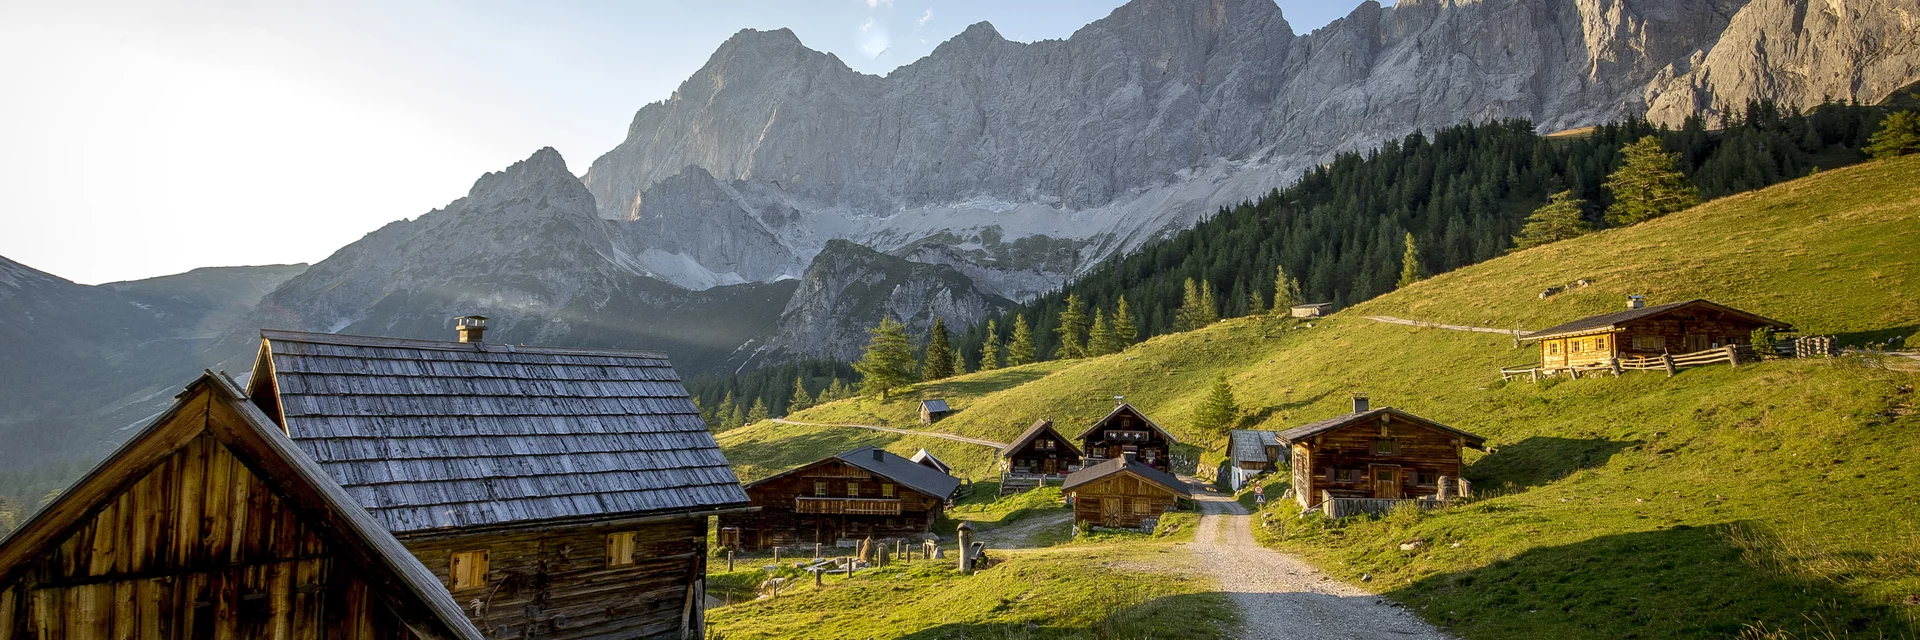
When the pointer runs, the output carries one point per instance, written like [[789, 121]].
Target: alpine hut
[[1384, 455], [210, 523], [1038, 456], [932, 411], [1251, 453], [1123, 493], [559, 493], [863, 493], [1126, 430], [1641, 331]]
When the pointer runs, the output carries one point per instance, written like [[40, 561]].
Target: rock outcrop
[[849, 288]]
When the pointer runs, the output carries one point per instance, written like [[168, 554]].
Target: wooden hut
[[1375, 454], [1314, 310], [1126, 430], [1038, 455], [932, 411], [1123, 493], [559, 493], [1250, 454], [1641, 331], [866, 492], [211, 523]]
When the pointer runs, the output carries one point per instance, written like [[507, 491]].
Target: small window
[[820, 488], [853, 489], [886, 491], [469, 569], [1600, 343], [1649, 343], [620, 548], [1385, 446], [1141, 506], [1553, 348]]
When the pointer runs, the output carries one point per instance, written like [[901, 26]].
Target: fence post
[[1615, 364], [776, 555], [816, 551], [729, 561], [1667, 360], [1733, 356]]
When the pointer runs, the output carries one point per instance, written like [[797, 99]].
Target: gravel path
[[1449, 327], [1282, 597], [1025, 534], [931, 434]]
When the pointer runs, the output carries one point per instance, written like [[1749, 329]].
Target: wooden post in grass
[[1666, 359], [729, 561], [817, 572], [816, 552], [776, 555], [1614, 363], [966, 540], [1733, 356]]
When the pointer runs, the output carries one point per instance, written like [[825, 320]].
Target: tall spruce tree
[[1899, 135], [1196, 308], [1100, 339], [990, 348], [735, 417], [1562, 219], [888, 363], [758, 413], [1124, 329], [1209, 309], [959, 365], [801, 399], [1072, 329], [1256, 303], [1020, 350], [939, 356], [836, 391], [1286, 291], [1647, 185], [1410, 269], [1219, 411]]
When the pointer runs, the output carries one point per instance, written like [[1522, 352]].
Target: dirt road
[[1284, 598], [1450, 327], [930, 434]]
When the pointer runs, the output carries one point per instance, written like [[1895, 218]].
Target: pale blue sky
[[146, 137]]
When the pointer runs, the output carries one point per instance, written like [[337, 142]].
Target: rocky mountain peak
[[544, 166]]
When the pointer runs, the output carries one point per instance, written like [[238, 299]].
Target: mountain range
[[779, 202]]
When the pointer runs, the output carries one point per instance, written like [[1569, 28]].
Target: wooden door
[[1386, 481], [1696, 342], [1052, 466], [1113, 511]]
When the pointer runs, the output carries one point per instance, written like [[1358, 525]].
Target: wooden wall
[[777, 523], [1136, 499], [198, 547], [556, 584], [1422, 455], [1156, 451], [1032, 458]]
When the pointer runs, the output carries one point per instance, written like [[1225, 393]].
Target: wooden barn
[[1375, 454], [1315, 310], [866, 492], [1040, 453], [210, 523], [1126, 430], [557, 493], [1641, 331], [1123, 493], [932, 411], [1251, 453]]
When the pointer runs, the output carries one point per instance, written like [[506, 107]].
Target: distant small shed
[[1251, 453], [925, 458], [1123, 493], [932, 411], [1314, 310]]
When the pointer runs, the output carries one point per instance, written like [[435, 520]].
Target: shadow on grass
[[1684, 582], [1893, 337], [1198, 615], [979, 386], [1258, 416], [1539, 460]]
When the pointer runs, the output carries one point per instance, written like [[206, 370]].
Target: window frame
[[620, 548], [473, 575]]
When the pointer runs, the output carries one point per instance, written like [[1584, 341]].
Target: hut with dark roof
[[563, 493], [1123, 493], [1250, 453], [1038, 456], [211, 523], [1127, 430], [863, 493], [1382, 454], [1641, 331], [932, 411]]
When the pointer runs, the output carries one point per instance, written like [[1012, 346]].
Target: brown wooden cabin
[[1126, 430], [1041, 452], [1250, 454], [1123, 493], [1641, 331], [565, 491], [932, 411], [210, 523], [866, 492], [1382, 454]]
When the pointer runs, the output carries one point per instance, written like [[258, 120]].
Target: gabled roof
[[925, 458], [1611, 321], [889, 465], [1126, 464], [420, 600], [434, 435], [1143, 418], [1306, 431], [935, 405], [1245, 445], [1040, 427]]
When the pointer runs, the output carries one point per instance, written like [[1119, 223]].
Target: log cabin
[[1641, 331], [1251, 453], [932, 411], [863, 493], [1040, 453], [1375, 454], [560, 493], [210, 523], [1126, 430], [1123, 493]]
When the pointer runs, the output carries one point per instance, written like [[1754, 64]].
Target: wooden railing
[[1734, 355], [856, 506]]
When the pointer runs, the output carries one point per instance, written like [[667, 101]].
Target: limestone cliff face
[[1146, 120], [849, 288]]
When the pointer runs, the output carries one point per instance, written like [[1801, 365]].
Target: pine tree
[[990, 349], [939, 355], [1073, 325], [734, 419], [1256, 304], [1020, 351], [726, 415], [758, 413], [1410, 271], [1647, 186], [1101, 339], [959, 365], [1194, 305], [1561, 219], [1286, 291], [1218, 412], [1125, 332], [888, 363], [1899, 135], [801, 399], [837, 391]]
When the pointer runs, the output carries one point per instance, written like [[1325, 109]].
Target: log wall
[[1121, 501], [1343, 461], [779, 523]]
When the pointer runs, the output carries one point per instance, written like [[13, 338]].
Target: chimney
[[1119, 400], [471, 327], [1129, 456], [1360, 404], [877, 455], [1636, 301]]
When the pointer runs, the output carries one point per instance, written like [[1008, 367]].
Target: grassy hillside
[[1775, 496]]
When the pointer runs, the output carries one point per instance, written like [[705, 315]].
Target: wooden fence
[[1732, 355]]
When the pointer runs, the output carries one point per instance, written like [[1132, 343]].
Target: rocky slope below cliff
[[849, 288]]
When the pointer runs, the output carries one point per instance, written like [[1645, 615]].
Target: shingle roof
[[911, 474], [1129, 465], [925, 458], [432, 435], [1251, 446], [1039, 427], [1143, 418], [935, 405], [1607, 321], [1309, 430]]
